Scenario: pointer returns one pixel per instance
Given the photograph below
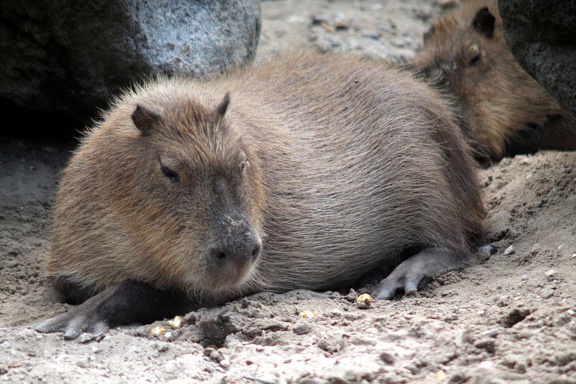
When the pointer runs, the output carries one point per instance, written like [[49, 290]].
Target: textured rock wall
[[69, 57], [542, 37]]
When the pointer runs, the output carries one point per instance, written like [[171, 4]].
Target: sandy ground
[[509, 318]]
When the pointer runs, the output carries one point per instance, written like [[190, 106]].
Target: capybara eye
[[170, 174], [475, 60]]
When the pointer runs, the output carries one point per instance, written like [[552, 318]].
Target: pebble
[[387, 357], [225, 363], [491, 333], [488, 249], [486, 344], [510, 250], [440, 376], [302, 328]]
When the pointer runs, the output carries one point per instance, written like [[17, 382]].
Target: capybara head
[[465, 55], [182, 202]]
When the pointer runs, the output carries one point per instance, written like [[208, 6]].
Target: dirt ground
[[509, 318]]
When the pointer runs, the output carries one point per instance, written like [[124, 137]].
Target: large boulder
[[542, 37], [68, 58]]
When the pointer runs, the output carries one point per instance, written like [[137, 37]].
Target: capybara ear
[[145, 120], [223, 106], [484, 22], [428, 34]]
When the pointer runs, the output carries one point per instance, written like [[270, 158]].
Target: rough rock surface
[[68, 57], [542, 37]]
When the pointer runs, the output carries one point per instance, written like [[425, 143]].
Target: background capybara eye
[[170, 174]]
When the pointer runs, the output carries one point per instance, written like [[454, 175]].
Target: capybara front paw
[[388, 287], [73, 324]]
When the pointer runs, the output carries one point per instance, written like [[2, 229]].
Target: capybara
[[501, 109], [306, 171]]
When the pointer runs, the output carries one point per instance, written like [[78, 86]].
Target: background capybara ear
[[145, 120], [223, 106], [484, 22]]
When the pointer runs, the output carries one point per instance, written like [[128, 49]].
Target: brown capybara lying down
[[306, 171], [501, 109]]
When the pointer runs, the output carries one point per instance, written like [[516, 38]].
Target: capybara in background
[[306, 171], [501, 109]]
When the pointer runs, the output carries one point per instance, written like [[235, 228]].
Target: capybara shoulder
[[502, 110], [306, 171]]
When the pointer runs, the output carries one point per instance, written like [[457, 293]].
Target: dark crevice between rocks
[[20, 124]]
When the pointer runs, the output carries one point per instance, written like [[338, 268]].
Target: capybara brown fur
[[306, 171], [501, 109]]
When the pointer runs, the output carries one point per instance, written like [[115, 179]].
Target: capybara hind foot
[[129, 302], [418, 270]]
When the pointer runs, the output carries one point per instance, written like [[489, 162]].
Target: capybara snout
[[236, 245]]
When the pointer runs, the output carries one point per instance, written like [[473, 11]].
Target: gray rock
[[69, 57], [542, 37]]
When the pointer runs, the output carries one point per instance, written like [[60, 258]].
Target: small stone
[[86, 338], [520, 367], [302, 328], [488, 249], [387, 357], [486, 344], [491, 333], [440, 376], [524, 277], [486, 364], [550, 274], [510, 250]]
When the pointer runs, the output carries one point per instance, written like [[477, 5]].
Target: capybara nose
[[236, 253]]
